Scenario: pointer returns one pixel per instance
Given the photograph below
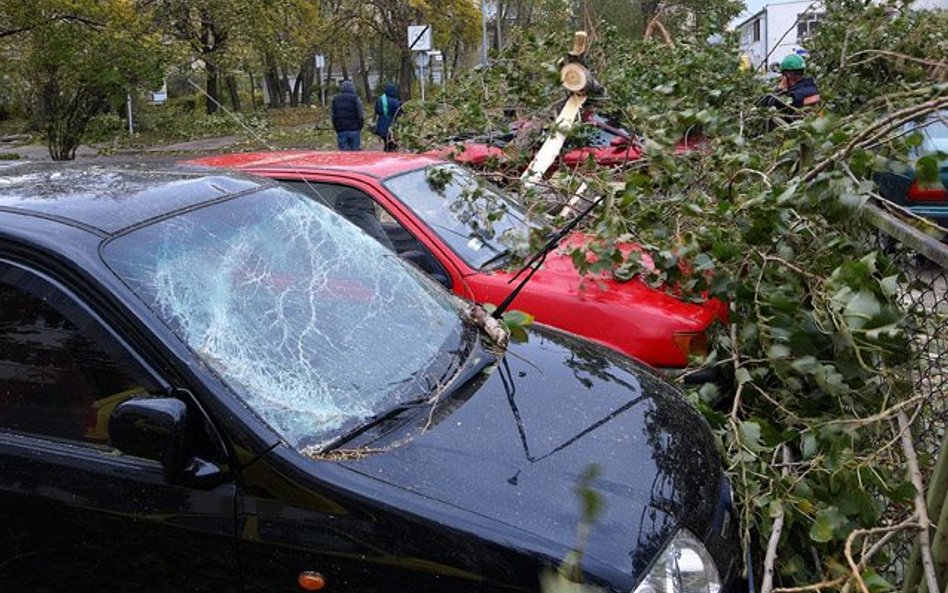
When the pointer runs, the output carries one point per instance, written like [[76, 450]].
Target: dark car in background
[[929, 200], [209, 382]]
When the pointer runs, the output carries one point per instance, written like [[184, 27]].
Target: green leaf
[[750, 435], [778, 352], [809, 446], [903, 493], [875, 583], [742, 376], [827, 522], [517, 318], [914, 139], [518, 334], [890, 285], [926, 169]]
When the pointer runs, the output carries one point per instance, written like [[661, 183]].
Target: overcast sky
[[752, 7]]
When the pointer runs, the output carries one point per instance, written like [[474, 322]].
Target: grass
[[305, 128]]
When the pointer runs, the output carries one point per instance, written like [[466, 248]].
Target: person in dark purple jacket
[[348, 117]]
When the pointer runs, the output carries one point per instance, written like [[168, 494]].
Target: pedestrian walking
[[387, 108], [348, 117]]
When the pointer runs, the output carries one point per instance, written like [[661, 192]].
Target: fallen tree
[[819, 349]]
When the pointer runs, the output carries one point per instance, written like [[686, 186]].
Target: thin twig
[[924, 541], [889, 532], [770, 557], [891, 54]]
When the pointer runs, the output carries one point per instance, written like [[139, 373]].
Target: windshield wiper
[[497, 257], [374, 421], [534, 263], [453, 379]]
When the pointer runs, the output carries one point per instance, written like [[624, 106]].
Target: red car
[[605, 143], [459, 230]]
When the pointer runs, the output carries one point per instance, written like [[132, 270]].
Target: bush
[[105, 127]]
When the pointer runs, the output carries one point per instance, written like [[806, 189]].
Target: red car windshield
[[474, 219]]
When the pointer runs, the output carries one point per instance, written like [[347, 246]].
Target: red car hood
[[468, 153], [629, 316]]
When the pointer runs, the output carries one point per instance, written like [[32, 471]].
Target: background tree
[[210, 28], [79, 58]]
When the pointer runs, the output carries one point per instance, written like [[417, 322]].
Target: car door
[[75, 513]]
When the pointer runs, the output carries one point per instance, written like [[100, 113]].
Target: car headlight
[[685, 566]]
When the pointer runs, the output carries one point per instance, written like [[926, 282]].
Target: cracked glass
[[315, 326]]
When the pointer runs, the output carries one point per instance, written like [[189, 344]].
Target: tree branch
[[924, 541]]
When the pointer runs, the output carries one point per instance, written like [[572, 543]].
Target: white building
[[782, 28], [779, 29]]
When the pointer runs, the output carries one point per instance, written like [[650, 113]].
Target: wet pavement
[[38, 152]]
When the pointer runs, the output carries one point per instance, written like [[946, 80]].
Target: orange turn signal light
[[311, 581], [692, 343]]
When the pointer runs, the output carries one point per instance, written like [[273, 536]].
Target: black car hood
[[513, 450]]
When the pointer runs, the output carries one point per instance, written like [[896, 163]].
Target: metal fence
[[923, 264]]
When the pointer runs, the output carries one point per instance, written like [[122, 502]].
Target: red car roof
[[374, 164]]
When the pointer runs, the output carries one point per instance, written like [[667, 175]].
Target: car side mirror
[[155, 428], [619, 141]]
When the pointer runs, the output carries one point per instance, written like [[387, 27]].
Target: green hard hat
[[792, 62]]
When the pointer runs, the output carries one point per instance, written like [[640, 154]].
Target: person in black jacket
[[348, 116], [800, 89]]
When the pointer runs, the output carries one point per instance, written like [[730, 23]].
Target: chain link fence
[[922, 261]]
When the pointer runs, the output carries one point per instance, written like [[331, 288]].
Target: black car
[[900, 185], [212, 383]]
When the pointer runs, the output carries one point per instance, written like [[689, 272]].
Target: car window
[[55, 379], [935, 137], [377, 222], [312, 324], [474, 219]]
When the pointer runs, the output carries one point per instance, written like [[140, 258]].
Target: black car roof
[[111, 197]]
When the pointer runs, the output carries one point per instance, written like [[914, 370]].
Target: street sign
[[419, 37], [421, 59], [320, 61]]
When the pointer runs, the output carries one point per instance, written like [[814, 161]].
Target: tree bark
[[253, 91], [498, 25], [364, 74], [405, 76], [308, 76], [232, 90], [273, 86], [287, 89], [212, 99]]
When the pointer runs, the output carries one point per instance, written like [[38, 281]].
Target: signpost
[[419, 37], [421, 60], [419, 40], [320, 64]]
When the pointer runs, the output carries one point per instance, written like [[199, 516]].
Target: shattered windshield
[[312, 323], [478, 223]]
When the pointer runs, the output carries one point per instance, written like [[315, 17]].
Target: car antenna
[[534, 263]]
